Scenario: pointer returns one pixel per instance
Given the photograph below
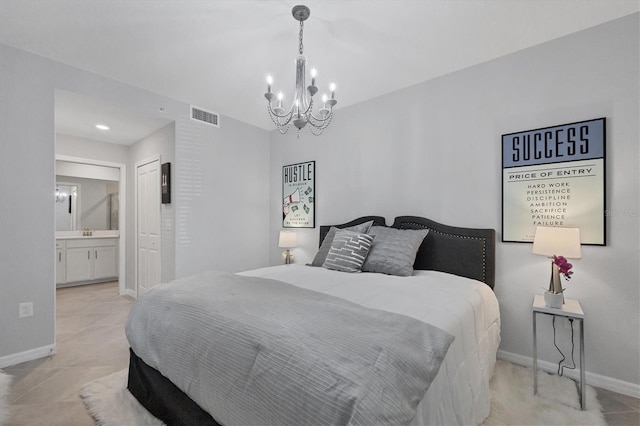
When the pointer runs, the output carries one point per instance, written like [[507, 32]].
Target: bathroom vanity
[[86, 259]]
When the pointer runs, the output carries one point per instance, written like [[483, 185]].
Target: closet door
[[148, 225]]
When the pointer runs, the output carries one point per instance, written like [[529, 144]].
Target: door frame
[[122, 213], [138, 164]]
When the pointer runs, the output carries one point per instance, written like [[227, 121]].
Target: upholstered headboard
[[468, 252], [377, 221]]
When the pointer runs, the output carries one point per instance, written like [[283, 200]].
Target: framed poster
[[299, 195], [554, 176], [165, 182]]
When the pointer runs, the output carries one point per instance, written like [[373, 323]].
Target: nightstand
[[570, 309]]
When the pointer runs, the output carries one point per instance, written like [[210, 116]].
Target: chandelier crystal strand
[[301, 111]]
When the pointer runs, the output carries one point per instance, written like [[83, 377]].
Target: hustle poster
[[298, 195], [554, 176]]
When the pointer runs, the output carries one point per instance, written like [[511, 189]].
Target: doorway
[[121, 171]]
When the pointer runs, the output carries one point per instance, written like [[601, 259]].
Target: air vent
[[210, 118]]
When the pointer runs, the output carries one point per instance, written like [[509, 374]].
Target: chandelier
[[301, 111], [61, 197]]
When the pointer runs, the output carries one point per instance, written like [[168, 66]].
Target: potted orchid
[[554, 297]]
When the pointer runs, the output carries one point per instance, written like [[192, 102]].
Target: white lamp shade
[[558, 241], [288, 239]]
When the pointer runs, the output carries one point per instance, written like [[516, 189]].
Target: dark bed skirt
[[162, 398]]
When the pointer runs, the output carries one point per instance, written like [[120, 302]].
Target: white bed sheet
[[466, 308]]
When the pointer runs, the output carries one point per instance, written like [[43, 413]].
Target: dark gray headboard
[[377, 221], [468, 252]]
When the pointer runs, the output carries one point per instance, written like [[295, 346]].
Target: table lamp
[[553, 242], [288, 239]]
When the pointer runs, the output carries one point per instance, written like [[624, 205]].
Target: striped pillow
[[321, 256], [348, 251]]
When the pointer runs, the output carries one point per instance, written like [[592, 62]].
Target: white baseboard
[[31, 354], [129, 292], [597, 380]]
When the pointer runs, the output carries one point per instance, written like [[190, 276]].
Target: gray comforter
[[252, 351]]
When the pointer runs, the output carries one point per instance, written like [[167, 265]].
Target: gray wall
[[227, 219], [27, 234], [434, 150], [222, 186]]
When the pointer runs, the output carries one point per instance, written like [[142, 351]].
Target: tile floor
[[619, 409], [91, 344]]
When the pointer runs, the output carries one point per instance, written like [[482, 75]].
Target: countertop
[[77, 235]]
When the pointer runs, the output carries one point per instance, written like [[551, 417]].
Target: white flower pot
[[553, 300]]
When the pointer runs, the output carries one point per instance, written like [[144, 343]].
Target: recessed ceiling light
[[102, 127]]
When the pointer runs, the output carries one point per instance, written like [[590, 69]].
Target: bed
[[449, 289]]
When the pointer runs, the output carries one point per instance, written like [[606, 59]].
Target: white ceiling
[[78, 115], [216, 54]]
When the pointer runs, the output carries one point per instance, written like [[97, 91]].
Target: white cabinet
[[104, 262], [61, 262], [91, 259], [79, 264]]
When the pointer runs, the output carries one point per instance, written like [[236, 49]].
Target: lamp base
[[288, 257], [553, 300]]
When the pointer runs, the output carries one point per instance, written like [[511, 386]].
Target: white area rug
[[557, 402], [111, 404], [5, 385], [513, 403]]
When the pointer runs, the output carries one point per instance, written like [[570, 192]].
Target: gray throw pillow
[[394, 250], [363, 228], [348, 251]]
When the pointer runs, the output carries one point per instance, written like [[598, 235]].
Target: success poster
[[554, 176]]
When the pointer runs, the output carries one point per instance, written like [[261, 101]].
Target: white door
[[148, 225]]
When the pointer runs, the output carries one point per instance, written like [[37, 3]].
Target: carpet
[[111, 404], [5, 384], [512, 401], [557, 402]]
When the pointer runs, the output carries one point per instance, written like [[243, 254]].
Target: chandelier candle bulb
[[279, 109], [324, 111], [269, 95], [313, 76]]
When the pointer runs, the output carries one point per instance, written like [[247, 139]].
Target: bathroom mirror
[[83, 203], [66, 207]]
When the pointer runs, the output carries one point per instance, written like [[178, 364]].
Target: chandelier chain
[[301, 47]]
